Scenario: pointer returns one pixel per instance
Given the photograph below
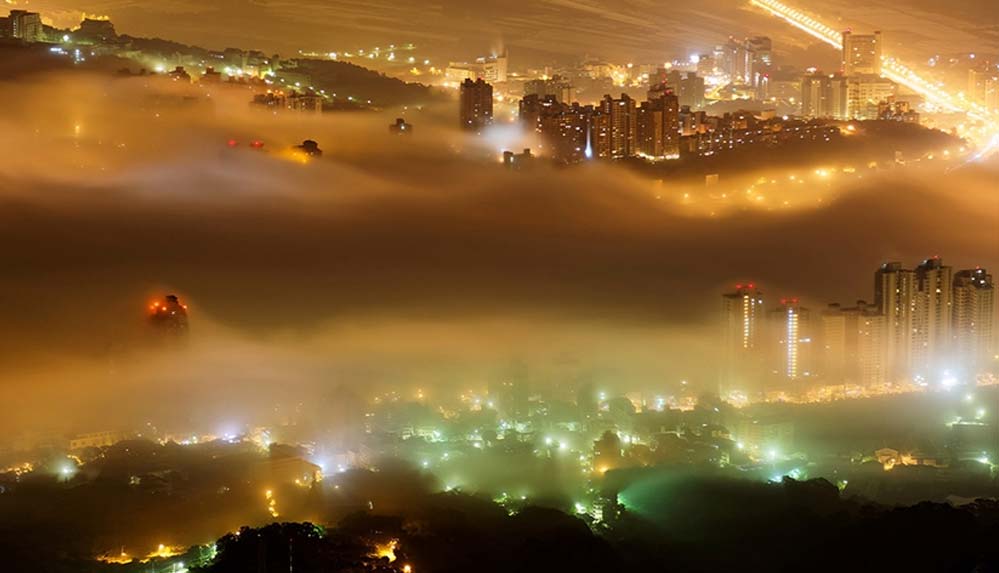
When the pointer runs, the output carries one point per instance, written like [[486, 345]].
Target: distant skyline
[[637, 29]]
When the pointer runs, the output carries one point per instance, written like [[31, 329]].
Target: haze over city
[[311, 282]]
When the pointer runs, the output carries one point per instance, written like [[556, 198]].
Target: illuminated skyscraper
[[476, 105], [917, 306], [837, 343], [620, 127], [861, 53], [688, 87], [658, 125], [742, 338], [790, 322], [974, 319], [852, 345], [565, 129], [894, 296], [865, 93], [932, 318], [759, 60], [824, 96], [872, 363]]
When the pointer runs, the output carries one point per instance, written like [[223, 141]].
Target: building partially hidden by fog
[[790, 338], [974, 315], [742, 337], [169, 316], [476, 105]]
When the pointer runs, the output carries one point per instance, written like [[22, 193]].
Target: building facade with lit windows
[[865, 93], [974, 315], [931, 328], [658, 125], [824, 96], [791, 339], [618, 124], [861, 53], [475, 105], [742, 338]]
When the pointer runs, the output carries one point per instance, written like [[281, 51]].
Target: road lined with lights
[[892, 68]]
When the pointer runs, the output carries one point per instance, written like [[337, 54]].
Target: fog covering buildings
[[927, 325], [444, 361]]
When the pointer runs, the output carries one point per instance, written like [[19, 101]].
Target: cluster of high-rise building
[[747, 62], [615, 128], [927, 325], [656, 129], [857, 90]]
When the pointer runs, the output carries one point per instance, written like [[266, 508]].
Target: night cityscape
[[408, 287]]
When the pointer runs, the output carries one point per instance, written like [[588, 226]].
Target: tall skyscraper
[[865, 94], [861, 53], [791, 339], [852, 345], [894, 296], [917, 306], [476, 105], [619, 127], [742, 338], [872, 363], [688, 87], [746, 61], [759, 60], [838, 344], [932, 317], [565, 129], [658, 125], [824, 96], [974, 318]]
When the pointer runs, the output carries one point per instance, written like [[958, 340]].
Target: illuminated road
[[892, 69]]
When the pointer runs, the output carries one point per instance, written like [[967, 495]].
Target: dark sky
[[639, 30]]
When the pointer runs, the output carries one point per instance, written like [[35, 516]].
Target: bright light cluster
[[891, 68]]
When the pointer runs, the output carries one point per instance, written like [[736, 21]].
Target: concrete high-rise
[[861, 53], [476, 105], [557, 86], [688, 87], [852, 345], [872, 358], [824, 96], [759, 60], [866, 93], [618, 128], [917, 306], [742, 337], [565, 130], [25, 25], [932, 318], [974, 314], [658, 125], [791, 339], [894, 296]]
